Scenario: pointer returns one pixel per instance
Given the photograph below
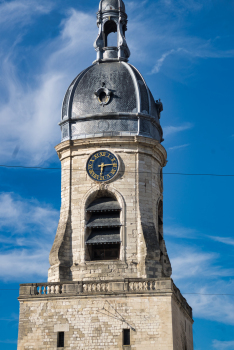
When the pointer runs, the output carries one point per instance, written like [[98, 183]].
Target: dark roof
[[104, 236], [106, 220], [125, 82], [104, 204]]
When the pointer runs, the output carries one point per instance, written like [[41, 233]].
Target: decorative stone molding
[[138, 286]]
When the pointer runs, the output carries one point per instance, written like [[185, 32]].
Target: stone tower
[[109, 284]]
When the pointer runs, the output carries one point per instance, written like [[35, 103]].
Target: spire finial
[[111, 18]]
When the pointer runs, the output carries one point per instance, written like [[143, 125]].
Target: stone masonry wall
[[182, 328], [138, 190], [97, 323]]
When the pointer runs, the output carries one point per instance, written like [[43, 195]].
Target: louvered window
[[104, 225]]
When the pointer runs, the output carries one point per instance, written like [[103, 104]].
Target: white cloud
[[15, 12], [223, 345], [218, 308], [6, 240], [191, 233], [197, 263], [18, 215], [172, 130], [179, 147], [203, 51], [168, 36], [28, 229], [8, 341], [161, 60], [29, 119], [184, 5], [180, 232], [13, 318], [133, 5], [225, 240], [204, 281], [24, 264]]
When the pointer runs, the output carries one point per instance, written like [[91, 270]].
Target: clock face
[[102, 166]]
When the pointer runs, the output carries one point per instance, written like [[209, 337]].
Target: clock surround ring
[[103, 166]]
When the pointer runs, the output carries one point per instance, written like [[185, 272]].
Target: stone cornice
[[160, 287], [64, 149]]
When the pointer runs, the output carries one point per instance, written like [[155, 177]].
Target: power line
[[29, 167], [205, 294], [133, 172], [186, 174]]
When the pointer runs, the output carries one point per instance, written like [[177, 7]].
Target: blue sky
[[185, 51]]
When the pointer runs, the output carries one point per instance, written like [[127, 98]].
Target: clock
[[102, 166]]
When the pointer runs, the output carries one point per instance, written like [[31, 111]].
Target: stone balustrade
[[49, 289], [126, 286]]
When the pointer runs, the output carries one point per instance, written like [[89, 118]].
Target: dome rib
[[138, 92], [146, 87], [66, 108]]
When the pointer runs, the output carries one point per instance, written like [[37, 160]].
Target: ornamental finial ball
[[107, 5]]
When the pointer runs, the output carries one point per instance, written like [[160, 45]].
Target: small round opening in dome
[[103, 97]]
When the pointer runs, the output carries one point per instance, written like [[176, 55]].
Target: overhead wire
[[131, 172], [146, 172]]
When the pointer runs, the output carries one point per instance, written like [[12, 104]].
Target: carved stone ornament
[[103, 95]]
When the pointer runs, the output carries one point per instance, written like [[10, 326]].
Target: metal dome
[[129, 92], [110, 98], [107, 5], [113, 98]]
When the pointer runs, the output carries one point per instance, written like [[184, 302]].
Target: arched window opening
[[112, 40], [110, 34], [103, 229]]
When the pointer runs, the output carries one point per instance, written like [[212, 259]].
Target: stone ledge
[[133, 286]]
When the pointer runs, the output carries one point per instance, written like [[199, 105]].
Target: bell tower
[[109, 283]]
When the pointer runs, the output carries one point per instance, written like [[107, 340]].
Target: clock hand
[[102, 166]]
